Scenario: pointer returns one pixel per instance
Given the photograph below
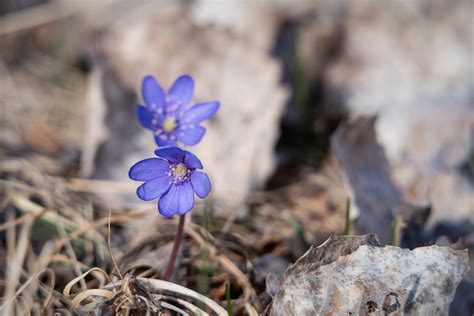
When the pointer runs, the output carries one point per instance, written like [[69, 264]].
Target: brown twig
[[100, 222], [99, 186], [110, 249]]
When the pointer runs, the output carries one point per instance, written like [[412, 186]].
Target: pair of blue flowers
[[173, 177]]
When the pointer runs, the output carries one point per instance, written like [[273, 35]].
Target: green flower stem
[[174, 252], [227, 298], [347, 227]]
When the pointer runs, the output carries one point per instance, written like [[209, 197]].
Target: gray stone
[[352, 275], [411, 65]]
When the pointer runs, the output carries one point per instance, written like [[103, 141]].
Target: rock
[[355, 275], [411, 66], [416, 76], [237, 150]]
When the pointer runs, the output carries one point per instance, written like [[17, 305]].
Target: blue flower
[[172, 178], [168, 114]]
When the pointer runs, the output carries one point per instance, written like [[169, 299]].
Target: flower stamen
[[180, 173], [169, 124]]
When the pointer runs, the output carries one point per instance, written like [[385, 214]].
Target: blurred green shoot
[[299, 83], [207, 220], [48, 225], [227, 298], [347, 227], [393, 225], [315, 143], [204, 276], [49, 219], [297, 228], [396, 226]]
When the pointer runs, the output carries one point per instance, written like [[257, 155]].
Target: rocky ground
[[337, 118]]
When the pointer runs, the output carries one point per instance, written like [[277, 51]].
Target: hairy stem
[[174, 252]]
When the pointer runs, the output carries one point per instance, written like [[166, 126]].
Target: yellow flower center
[[180, 171], [169, 124]]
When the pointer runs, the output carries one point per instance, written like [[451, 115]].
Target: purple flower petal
[[190, 136], [162, 143], [172, 154], [201, 183], [191, 161], [148, 169], [200, 112], [155, 188], [153, 94], [144, 116], [179, 199], [182, 89]]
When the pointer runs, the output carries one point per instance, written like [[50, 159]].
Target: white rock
[[355, 276]]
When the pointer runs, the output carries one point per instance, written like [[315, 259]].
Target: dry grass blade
[[29, 207], [226, 263], [193, 308], [66, 260], [250, 310], [110, 249], [19, 220], [147, 303], [47, 288], [154, 285], [34, 210], [173, 308], [76, 302], [172, 287], [100, 186], [7, 302], [72, 254], [41, 14], [68, 287], [101, 222], [16, 257], [233, 216]]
